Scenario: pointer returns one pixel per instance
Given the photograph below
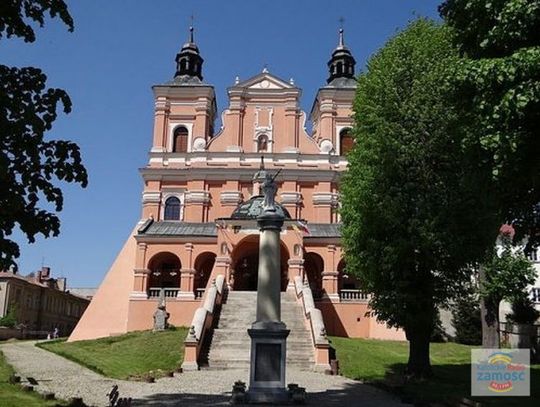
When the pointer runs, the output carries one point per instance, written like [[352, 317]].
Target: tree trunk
[[489, 312], [419, 365], [489, 309]]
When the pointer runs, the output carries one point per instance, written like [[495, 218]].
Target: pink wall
[[141, 313], [107, 313], [345, 319], [350, 320]]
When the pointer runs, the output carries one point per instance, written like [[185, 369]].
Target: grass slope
[[132, 354], [382, 362], [12, 396]]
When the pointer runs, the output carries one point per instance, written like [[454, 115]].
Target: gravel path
[[203, 388]]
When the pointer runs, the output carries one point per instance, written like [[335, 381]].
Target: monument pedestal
[[267, 369]]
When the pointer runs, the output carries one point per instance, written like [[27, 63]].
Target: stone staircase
[[230, 343]]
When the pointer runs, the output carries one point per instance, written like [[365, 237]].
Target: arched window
[[180, 140], [346, 142], [262, 143], [172, 208]]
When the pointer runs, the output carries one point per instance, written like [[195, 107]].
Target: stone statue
[[269, 188], [161, 316]]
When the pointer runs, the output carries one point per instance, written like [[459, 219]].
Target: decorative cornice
[[291, 198], [325, 198], [307, 174], [151, 197], [197, 197], [230, 197]]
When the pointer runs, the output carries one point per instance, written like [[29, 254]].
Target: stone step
[[231, 344], [307, 367]]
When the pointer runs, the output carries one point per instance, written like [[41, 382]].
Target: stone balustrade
[[316, 323], [199, 293], [346, 295], [201, 323], [153, 292]]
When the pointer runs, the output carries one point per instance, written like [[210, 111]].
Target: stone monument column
[[269, 273], [268, 334]]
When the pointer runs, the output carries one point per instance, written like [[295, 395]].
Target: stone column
[[296, 269], [269, 274], [187, 277], [140, 283], [330, 276], [268, 334], [222, 266]]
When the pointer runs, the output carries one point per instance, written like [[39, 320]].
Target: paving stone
[[200, 388]]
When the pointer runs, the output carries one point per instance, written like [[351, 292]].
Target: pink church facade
[[201, 190]]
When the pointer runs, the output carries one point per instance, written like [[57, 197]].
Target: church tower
[[201, 200], [331, 114], [185, 111]]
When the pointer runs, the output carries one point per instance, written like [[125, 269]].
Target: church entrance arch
[[204, 263], [245, 264]]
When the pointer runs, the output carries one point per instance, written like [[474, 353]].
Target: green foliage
[[496, 89], [507, 274], [29, 164], [10, 319], [413, 208], [467, 320], [14, 16], [132, 354], [523, 311]]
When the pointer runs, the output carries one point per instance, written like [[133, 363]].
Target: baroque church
[[202, 195]]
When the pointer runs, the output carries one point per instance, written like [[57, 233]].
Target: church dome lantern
[[342, 63], [189, 61]]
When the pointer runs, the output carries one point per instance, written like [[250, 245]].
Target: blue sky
[[120, 48]]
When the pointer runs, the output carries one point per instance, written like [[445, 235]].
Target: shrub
[[467, 320], [10, 320], [523, 311]]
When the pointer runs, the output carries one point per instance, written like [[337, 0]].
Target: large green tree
[[414, 211], [496, 90], [30, 163], [497, 85]]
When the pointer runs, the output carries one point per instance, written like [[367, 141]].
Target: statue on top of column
[[269, 189]]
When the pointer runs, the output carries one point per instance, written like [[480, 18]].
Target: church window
[[180, 140], [172, 208], [346, 141], [262, 143]]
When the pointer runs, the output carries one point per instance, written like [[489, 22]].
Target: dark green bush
[[10, 320], [467, 320], [523, 311]]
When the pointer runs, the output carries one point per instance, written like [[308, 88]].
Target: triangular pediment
[[264, 80]]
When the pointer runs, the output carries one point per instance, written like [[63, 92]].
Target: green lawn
[[11, 395], [381, 363], [134, 354]]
